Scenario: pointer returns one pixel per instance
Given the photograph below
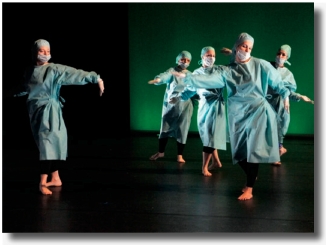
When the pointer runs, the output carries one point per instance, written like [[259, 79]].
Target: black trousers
[[49, 166], [162, 145], [251, 170], [208, 150]]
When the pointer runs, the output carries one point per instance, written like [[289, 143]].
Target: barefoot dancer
[[42, 82], [176, 118], [282, 56], [211, 118]]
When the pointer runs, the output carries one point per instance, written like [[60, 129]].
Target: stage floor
[[111, 186]]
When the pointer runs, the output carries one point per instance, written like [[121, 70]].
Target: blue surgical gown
[[211, 117], [176, 118], [42, 84], [252, 120], [278, 103]]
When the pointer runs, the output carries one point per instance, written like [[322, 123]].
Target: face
[[185, 60], [209, 53], [282, 54], [246, 46], [44, 50]]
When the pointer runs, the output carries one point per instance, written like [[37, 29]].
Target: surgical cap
[[41, 42], [242, 38], [287, 49], [183, 54], [205, 49]]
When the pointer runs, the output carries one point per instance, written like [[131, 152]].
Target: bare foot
[[45, 190], [180, 159], [215, 165], [55, 182], [246, 195], [206, 173], [156, 155], [282, 151]]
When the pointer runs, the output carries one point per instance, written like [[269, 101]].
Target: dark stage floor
[[110, 186]]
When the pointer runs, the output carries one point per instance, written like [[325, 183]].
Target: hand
[[287, 104], [226, 51], [101, 86], [173, 100], [306, 99], [156, 80], [178, 74]]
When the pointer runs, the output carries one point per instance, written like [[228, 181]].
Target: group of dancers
[[258, 107], [258, 94]]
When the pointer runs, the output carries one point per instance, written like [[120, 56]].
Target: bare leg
[[180, 159], [156, 155], [247, 194], [206, 159], [55, 179], [216, 163], [43, 187]]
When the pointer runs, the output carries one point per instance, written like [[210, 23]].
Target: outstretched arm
[[213, 80], [226, 51], [72, 76], [101, 86], [162, 78], [306, 99], [154, 81], [297, 97]]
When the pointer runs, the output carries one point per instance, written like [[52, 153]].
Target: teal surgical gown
[[278, 103], [211, 117], [252, 120], [42, 84], [176, 118]]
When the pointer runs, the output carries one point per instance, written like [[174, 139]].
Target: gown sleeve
[[274, 79], [187, 93], [295, 96], [72, 76], [216, 79], [165, 77]]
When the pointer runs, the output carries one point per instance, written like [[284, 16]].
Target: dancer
[[283, 116], [211, 117], [176, 118], [42, 82], [282, 56]]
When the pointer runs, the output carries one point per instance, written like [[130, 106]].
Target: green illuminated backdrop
[[159, 31]]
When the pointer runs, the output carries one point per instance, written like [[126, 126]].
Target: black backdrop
[[87, 36]]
